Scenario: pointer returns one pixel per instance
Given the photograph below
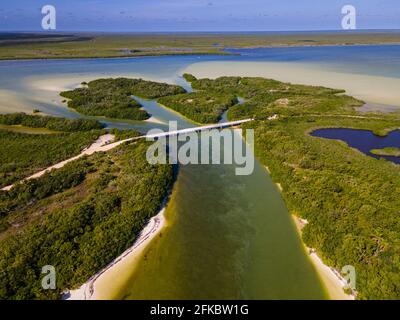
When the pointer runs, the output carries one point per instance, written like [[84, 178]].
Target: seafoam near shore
[[373, 89]]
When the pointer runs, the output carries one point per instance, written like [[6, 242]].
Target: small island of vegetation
[[391, 152], [112, 98]]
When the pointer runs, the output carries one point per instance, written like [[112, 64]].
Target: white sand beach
[[331, 278], [113, 277], [155, 120]]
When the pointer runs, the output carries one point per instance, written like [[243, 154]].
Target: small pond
[[363, 140]]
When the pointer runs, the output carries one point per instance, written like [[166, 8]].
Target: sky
[[197, 15]]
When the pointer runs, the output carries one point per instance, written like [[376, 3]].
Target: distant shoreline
[[235, 41], [318, 45], [200, 53], [194, 53]]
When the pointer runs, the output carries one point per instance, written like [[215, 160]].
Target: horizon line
[[198, 31]]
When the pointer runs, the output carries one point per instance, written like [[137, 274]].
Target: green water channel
[[227, 237]]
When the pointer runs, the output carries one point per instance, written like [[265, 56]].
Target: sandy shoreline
[[154, 120], [331, 278], [104, 283]]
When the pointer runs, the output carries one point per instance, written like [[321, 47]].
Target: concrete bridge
[[221, 125], [104, 143]]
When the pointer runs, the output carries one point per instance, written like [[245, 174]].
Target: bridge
[[221, 125], [104, 144]]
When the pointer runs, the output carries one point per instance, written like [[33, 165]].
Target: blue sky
[[198, 15]]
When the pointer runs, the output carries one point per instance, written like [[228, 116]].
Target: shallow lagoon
[[25, 85]]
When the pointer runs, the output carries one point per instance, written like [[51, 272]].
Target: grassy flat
[[92, 45]]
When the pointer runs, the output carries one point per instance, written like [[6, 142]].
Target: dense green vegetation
[[200, 106], [51, 123], [394, 152], [61, 46], [349, 199], [189, 77], [22, 154], [34, 190], [152, 90], [105, 98], [112, 98], [77, 219]]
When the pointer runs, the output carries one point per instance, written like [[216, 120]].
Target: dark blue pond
[[363, 140]]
